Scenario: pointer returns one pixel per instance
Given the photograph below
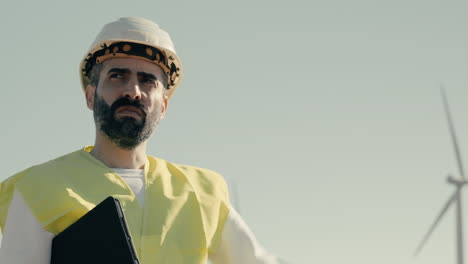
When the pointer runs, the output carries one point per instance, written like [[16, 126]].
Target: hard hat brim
[[118, 48]]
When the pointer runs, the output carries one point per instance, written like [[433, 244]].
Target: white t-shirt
[[135, 179], [25, 241]]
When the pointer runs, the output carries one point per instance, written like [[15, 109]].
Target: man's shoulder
[[197, 176], [199, 171], [24, 178], [189, 169], [36, 169]]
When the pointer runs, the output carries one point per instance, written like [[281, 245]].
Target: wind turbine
[[459, 183]]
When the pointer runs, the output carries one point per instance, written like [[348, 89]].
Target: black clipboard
[[100, 236]]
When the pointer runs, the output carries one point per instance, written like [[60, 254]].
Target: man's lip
[[129, 108]]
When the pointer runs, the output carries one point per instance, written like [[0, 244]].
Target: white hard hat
[[134, 37]]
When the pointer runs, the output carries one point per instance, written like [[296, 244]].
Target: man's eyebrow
[[147, 75], [119, 70]]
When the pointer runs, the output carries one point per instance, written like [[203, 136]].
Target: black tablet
[[100, 236]]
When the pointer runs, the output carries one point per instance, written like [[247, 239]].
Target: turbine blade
[[452, 133], [436, 222], [459, 221]]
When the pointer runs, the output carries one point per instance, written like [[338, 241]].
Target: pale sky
[[326, 114]]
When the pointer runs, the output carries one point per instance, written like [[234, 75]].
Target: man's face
[[128, 101]]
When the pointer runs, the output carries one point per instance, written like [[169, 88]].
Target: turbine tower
[[459, 183]]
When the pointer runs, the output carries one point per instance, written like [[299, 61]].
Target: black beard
[[125, 132]]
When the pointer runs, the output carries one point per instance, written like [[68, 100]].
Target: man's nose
[[132, 89]]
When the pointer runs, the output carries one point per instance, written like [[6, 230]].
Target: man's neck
[[114, 157]]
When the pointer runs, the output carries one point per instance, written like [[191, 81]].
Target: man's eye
[[149, 81], [116, 76]]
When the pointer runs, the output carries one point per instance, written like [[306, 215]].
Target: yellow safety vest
[[181, 222]]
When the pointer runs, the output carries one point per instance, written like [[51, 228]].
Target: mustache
[[125, 101]]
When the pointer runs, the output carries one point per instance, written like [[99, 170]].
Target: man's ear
[[164, 106], [89, 93]]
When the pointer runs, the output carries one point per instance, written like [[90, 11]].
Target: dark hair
[[96, 72]]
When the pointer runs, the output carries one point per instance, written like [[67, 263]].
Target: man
[[176, 214]]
